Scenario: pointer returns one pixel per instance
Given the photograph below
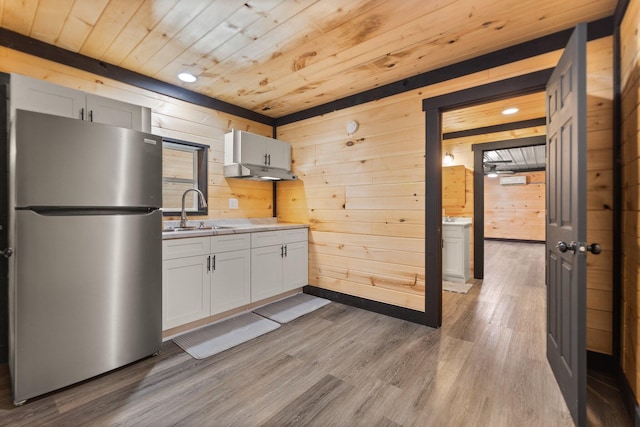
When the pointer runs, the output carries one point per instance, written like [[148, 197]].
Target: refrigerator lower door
[[86, 297]]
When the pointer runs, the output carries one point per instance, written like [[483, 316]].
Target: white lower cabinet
[[185, 281], [296, 265], [203, 276], [266, 272], [279, 262], [455, 252], [230, 272]]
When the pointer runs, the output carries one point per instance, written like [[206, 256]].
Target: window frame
[[200, 164]]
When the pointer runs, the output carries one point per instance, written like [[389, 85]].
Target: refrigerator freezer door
[[88, 300], [62, 162]]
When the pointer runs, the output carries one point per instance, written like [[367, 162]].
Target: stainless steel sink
[[187, 228], [214, 227]]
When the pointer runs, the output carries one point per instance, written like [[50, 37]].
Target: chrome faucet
[[183, 214]]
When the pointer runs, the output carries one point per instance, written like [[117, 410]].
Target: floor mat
[[461, 288], [291, 308], [215, 338]]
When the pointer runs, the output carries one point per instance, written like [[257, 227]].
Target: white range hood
[[256, 157]]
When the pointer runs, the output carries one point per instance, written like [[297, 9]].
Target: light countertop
[[457, 221], [227, 226]]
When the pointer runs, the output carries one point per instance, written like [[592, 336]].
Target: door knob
[[6, 252], [564, 247], [594, 248]]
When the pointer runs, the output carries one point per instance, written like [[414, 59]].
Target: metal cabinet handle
[[82, 114], [214, 263], [6, 252], [209, 263], [90, 115], [282, 251], [265, 160], [269, 159], [285, 250]]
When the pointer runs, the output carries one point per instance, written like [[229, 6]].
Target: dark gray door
[[566, 224]]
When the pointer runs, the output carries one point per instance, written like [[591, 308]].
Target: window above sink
[[184, 166]]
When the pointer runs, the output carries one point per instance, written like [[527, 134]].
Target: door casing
[[433, 108]]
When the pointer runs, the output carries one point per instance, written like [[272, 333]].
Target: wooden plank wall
[[363, 194], [515, 211], [170, 118], [453, 188], [630, 86], [600, 194]]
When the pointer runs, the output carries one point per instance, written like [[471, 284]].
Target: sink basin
[[187, 228], [213, 227], [456, 220]]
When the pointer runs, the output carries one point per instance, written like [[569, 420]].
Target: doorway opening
[[434, 108], [483, 166]]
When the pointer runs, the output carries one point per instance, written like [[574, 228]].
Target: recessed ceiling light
[[511, 110], [187, 77]]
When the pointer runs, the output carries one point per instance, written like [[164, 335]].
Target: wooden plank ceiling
[[282, 56]]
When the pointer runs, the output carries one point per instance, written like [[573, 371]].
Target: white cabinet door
[[45, 97], [455, 253], [296, 265], [49, 98], [452, 257], [266, 272], [253, 149], [185, 291], [230, 280], [118, 113], [279, 154]]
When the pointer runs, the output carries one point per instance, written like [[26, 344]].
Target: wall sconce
[[448, 158]]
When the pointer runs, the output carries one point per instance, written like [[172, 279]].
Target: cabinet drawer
[[452, 231], [230, 242], [266, 238], [295, 235], [180, 248]]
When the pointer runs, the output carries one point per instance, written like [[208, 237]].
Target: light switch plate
[[233, 203]]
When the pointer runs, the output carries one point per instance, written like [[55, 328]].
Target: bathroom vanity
[[455, 250]]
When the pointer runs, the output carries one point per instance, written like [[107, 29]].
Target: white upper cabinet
[[117, 113], [279, 154], [44, 97], [248, 148], [49, 98]]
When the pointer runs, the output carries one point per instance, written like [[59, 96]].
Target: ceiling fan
[[491, 168]]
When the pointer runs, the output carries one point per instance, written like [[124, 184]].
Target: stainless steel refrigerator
[[85, 279]]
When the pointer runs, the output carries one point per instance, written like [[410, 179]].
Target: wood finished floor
[[342, 366]]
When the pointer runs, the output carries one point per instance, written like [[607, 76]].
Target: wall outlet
[[233, 203]]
